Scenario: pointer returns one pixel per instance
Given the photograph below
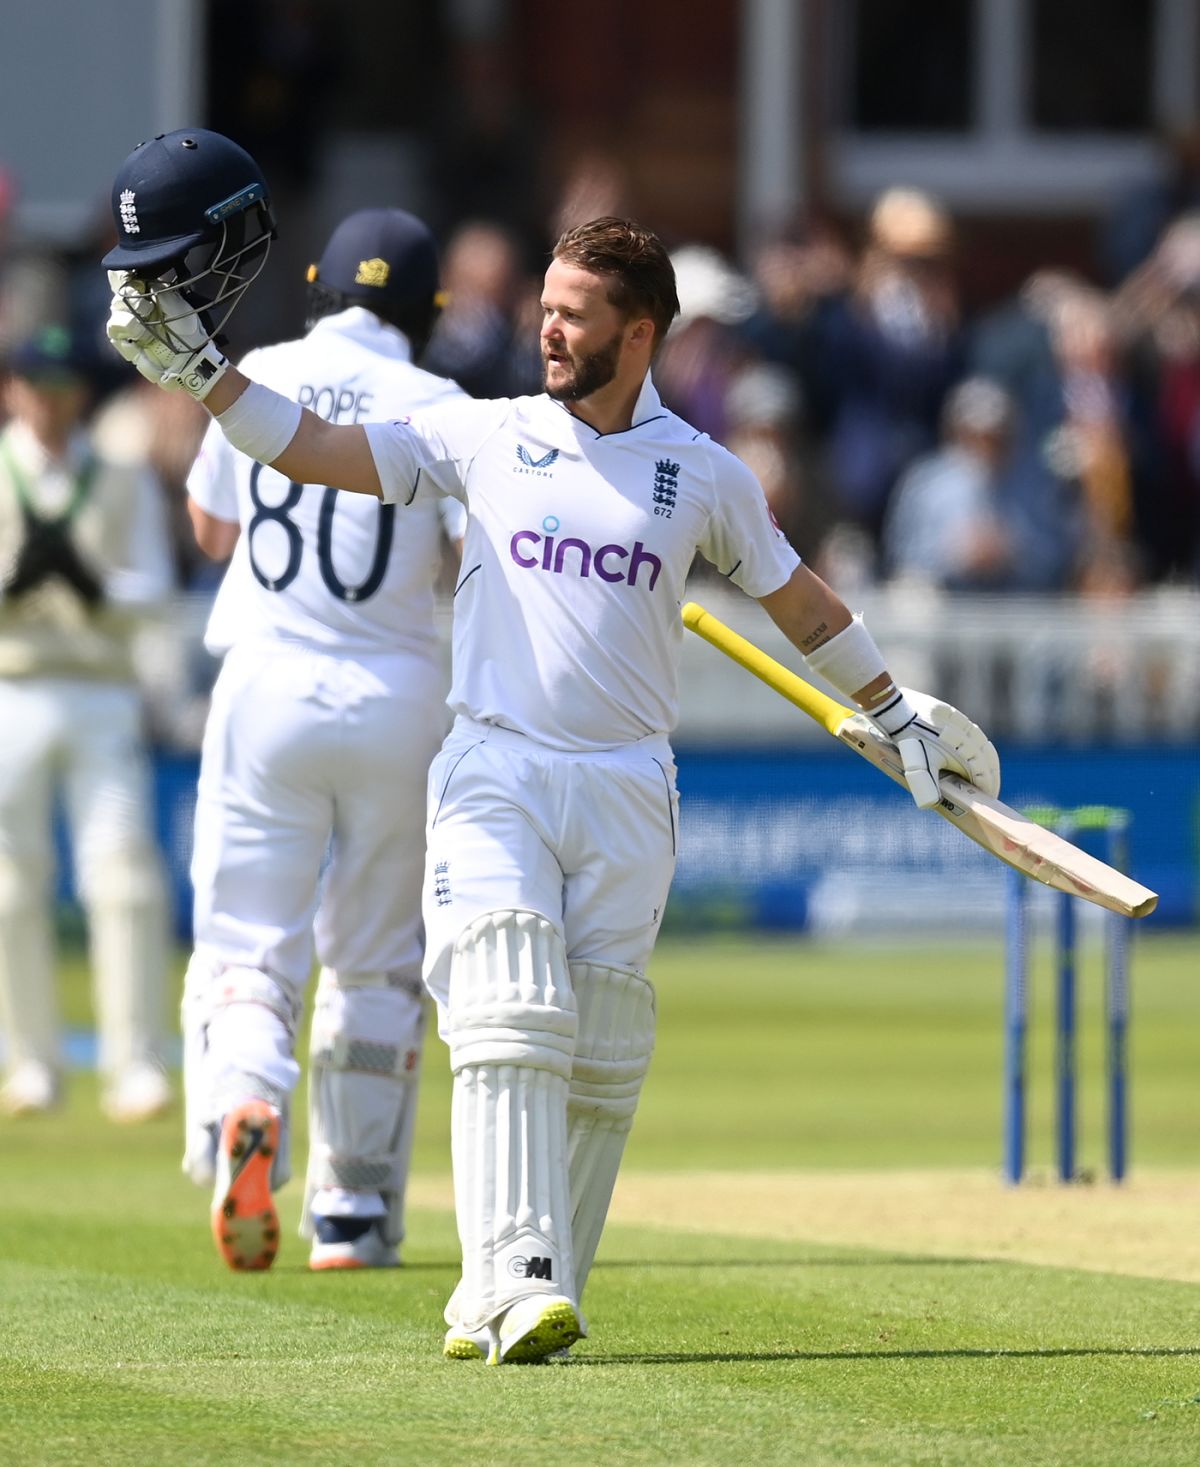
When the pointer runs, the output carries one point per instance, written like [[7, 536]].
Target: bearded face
[[571, 376]]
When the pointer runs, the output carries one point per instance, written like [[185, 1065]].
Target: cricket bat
[[1005, 832]]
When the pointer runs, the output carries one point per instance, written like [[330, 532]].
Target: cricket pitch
[[1146, 1227]]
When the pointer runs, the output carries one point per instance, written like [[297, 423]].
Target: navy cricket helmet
[[192, 212], [385, 260]]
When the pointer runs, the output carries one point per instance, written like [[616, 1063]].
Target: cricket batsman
[[552, 824]]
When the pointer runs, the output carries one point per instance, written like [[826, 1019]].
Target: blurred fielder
[[552, 807], [329, 707], [83, 557]]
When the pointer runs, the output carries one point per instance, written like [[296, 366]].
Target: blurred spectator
[[83, 557], [486, 152], [486, 338], [765, 428], [703, 352], [891, 350], [847, 559], [1144, 209], [797, 279], [946, 525], [1091, 443], [1158, 316], [1013, 344], [1073, 471], [597, 184]]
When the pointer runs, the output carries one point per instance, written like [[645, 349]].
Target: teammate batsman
[[329, 707], [552, 808]]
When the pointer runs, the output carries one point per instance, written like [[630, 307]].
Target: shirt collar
[[647, 407], [364, 326]]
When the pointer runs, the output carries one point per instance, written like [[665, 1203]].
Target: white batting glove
[[931, 736], [156, 330]]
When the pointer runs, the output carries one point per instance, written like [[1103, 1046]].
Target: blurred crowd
[[1048, 445], [1051, 444]]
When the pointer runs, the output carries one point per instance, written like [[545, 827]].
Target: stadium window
[[911, 66], [1033, 105], [1102, 85]]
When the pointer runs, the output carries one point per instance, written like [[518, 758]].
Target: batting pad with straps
[[365, 1057], [239, 1028], [612, 1055], [28, 1002], [126, 900], [510, 1025]]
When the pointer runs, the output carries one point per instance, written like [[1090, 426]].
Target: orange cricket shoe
[[245, 1225]]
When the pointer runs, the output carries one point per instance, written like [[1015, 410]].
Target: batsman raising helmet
[[328, 709], [552, 819]]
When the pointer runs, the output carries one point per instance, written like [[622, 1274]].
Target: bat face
[[1008, 834], [1005, 832]]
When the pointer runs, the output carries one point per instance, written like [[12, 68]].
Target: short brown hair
[[634, 260]]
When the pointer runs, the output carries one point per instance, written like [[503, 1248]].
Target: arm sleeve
[[742, 539], [432, 449]]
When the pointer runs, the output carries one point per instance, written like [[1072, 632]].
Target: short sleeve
[[743, 540], [212, 479], [438, 443]]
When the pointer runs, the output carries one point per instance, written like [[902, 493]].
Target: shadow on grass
[[855, 1260], [406, 1267], [733, 1357]]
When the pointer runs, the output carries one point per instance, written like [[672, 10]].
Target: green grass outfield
[[811, 1259]]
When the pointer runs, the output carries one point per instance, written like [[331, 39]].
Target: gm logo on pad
[[530, 1268]]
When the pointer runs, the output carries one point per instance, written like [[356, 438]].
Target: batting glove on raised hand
[[931, 736], [155, 329]]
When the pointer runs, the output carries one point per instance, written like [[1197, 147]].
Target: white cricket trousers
[[80, 740], [586, 839], [309, 754]]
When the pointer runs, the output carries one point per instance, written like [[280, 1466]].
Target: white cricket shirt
[[312, 564], [578, 546]]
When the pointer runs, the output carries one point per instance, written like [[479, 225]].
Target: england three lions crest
[[666, 487]]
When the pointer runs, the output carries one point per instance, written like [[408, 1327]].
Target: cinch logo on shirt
[[613, 563]]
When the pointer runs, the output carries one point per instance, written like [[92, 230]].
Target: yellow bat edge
[[1005, 832]]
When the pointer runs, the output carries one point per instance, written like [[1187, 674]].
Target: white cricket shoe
[[30, 1089], [468, 1344], [351, 1242], [245, 1225], [138, 1093], [537, 1328]]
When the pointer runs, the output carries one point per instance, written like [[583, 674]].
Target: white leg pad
[[28, 1000], [612, 1055], [365, 1068], [239, 1027], [510, 1026], [126, 901]]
